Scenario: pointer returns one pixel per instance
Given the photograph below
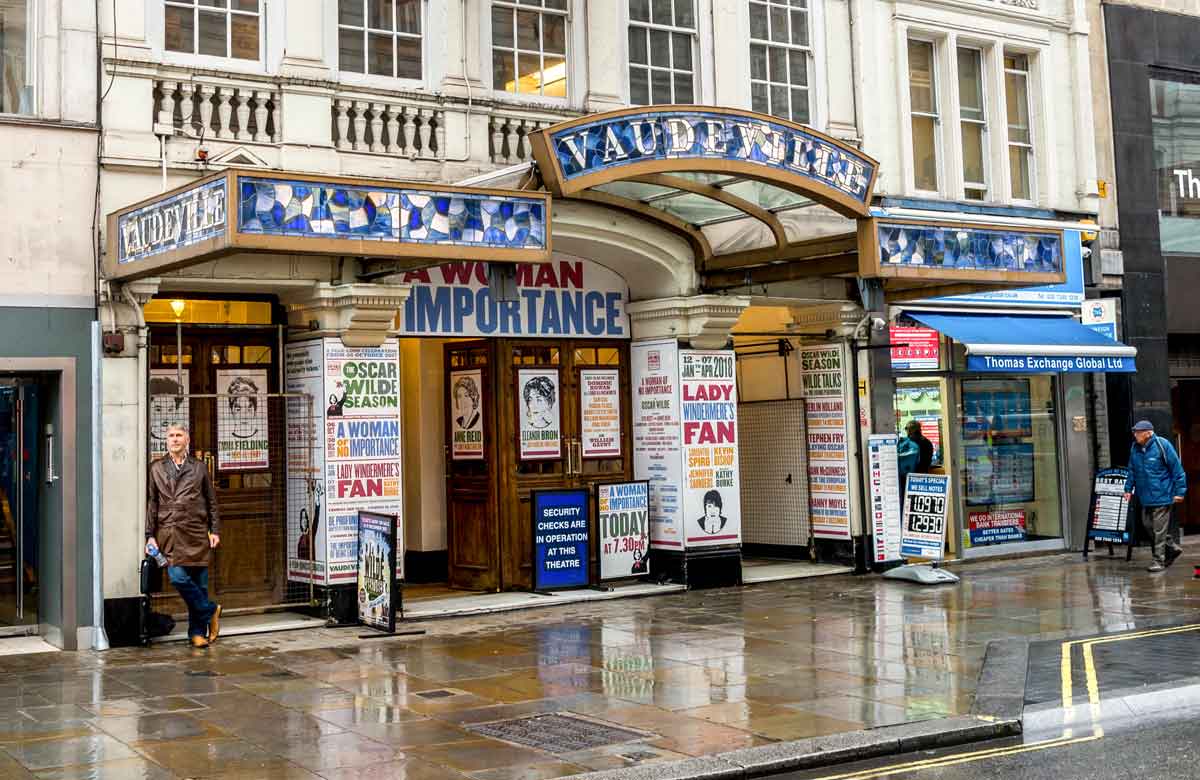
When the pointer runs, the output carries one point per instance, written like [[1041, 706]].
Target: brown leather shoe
[[214, 625], [199, 641]]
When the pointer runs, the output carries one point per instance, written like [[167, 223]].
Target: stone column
[[361, 315], [604, 58], [704, 321]]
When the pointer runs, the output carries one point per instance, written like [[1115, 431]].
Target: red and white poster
[[657, 455], [712, 512], [600, 413], [914, 348]]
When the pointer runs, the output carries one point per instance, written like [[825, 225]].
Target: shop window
[[1020, 134], [529, 47], [214, 28], [380, 37], [780, 59], [662, 36], [1175, 118], [923, 108], [1009, 438], [16, 62], [535, 356], [972, 116]]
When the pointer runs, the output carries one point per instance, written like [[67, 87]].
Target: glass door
[[19, 495]]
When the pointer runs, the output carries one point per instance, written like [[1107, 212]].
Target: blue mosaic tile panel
[[672, 135], [969, 249], [300, 209]]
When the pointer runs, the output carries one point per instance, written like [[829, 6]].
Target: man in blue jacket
[[1157, 476]]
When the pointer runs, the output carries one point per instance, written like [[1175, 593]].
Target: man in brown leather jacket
[[182, 522]]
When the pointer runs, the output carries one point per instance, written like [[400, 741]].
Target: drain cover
[[639, 755], [556, 733], [438, 694]]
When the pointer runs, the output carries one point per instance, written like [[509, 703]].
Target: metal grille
[[242, 437], [774, 472], [557, 733]]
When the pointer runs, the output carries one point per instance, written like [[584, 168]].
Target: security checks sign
[[622, 515], [924, 527], [560, 538]]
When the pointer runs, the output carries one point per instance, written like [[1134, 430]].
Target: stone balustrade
[[224, 111], [388, 127]]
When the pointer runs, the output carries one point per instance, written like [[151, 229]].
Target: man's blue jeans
[[192, 584]]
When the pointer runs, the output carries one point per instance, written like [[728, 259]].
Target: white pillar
[[304, 33], [605, 57], [705, 321]]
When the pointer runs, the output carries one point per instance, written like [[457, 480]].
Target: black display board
[[378, 593], [1110, 516]]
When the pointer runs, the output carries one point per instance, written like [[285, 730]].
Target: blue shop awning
[[1030, 344]]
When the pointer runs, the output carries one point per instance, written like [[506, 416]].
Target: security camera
[[1086, 252], [878, 324]]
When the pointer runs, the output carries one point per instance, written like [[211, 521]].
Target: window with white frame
[[923, 108], [780, 59], [662, 59], [214, 28], [1020, 134], [380, 37], [16, 62], [972, 117], [529, 47]]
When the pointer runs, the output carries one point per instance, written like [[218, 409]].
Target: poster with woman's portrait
[[466, 415], [538, 411], [243, 442]]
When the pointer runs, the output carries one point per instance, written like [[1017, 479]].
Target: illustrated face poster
[[466, 415], [712, 491], [622, 516], [168, 406], [600, 413], [539, 419], [243, 443]]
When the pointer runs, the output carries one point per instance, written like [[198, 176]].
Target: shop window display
[[1010, 484]]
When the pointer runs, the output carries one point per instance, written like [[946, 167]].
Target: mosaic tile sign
[[649, 136], [955, 247], [176, 222], [305, 209]]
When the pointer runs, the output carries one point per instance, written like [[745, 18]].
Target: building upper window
[[972, 116], [1020, 135], [662, 59], [16, 66], [780, 58], [380, 37], [1175, 118], [529, 47], [923, 105], [215, 28]]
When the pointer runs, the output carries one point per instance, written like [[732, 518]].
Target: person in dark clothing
[[925, 446], [182, 523]]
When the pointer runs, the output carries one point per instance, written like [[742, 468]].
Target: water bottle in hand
[[157, 555]]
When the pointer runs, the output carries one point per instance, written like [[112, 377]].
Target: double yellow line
[[1068, 698]]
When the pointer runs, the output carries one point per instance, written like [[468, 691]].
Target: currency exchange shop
[[583, 323]]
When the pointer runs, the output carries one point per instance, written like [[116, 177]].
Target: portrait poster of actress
[[243, 443], [538, 412], [466, 415]]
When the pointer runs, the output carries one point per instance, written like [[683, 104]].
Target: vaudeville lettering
[[178, 221], [672, 135]]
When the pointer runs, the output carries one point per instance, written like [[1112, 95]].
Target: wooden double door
[[488, 483]]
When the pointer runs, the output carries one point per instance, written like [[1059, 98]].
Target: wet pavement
[[629, 682]]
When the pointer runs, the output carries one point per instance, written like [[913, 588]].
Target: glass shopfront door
[[19, 505]]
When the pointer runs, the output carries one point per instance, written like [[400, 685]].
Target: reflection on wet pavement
[[695, 673]]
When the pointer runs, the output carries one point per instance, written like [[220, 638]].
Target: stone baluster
[[243, 115], [274, 98], [513, 139], [529, 127], [377, 127], [260, 115], [426, 130], [340, 108], [497, 139], [187, 108], [206, 108], [166, 102], [440, 134], [224, 112], [393, 129], [360, 126], [410, 134]]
